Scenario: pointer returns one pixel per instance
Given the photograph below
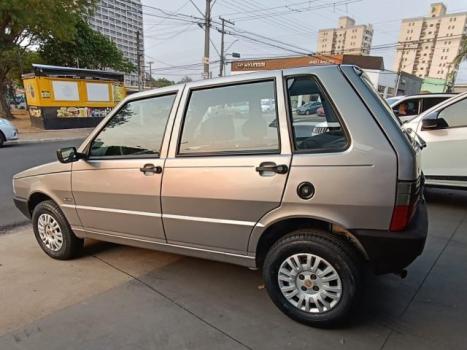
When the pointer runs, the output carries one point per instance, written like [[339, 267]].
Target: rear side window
[[236, 118], [319, 129], [432, 101]]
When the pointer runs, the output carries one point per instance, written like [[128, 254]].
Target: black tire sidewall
[[70, 241], [340, 262]]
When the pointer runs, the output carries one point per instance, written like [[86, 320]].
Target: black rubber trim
[[22, 205], [393, 251], [446, 177]]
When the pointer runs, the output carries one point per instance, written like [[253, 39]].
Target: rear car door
[[117, 188], [227, 163], [444, 160]]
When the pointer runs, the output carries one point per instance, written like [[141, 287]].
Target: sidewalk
[[30, 134]]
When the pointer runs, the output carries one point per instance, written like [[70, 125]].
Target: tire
[[307, 112], [324, 295], [2, 139], [53, 233]]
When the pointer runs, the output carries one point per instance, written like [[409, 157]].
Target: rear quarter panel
[[355, 188]]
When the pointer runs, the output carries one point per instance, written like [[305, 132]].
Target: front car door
[[444, 160], [117, 188], [227, 164]]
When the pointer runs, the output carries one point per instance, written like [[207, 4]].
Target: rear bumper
[[393, 251], [22, 205]]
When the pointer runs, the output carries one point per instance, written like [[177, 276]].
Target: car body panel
[[218, 207], [8, 130], [444, 160]]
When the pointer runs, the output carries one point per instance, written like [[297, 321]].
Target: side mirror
[[68, 155], [432, 122]]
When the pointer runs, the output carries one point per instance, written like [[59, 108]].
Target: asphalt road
[[15, 158]]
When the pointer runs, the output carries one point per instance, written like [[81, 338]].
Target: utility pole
[[207, 27], [138, 57], [399, 70], [222, 63], [150, 70]]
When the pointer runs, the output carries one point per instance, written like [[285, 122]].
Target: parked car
[[444, 129], [309, 210], [8, 131], [407, 108], [309, 108]]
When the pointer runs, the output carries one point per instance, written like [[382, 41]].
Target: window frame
[[442, 109], [87, 149], [332, 106], [228, 153]]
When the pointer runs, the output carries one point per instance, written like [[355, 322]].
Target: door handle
[[272, 167], [151, 168]]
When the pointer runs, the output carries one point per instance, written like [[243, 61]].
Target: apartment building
[[121, 21], [428, 45], [348, 38]]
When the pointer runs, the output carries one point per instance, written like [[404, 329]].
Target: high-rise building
[[121, 21], [428, 45], [349, 38]]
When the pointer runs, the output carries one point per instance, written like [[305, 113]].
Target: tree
[[89, 49], [161, 82], [28, 22], [461, 56], [185, 79]]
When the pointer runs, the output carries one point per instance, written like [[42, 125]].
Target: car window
[[408, 107], [321, 130], [136, 129], [429, 102], [455, 115], [235, 118]]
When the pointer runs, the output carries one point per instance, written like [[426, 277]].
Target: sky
[[176, 46]]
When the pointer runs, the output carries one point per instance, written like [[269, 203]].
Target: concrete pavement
[[116, 297]]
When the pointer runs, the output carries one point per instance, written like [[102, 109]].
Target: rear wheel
[[53, 233], [313, 277], [2, 139]]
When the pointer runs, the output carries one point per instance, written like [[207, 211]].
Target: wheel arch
[[37, 197], [280, 228]]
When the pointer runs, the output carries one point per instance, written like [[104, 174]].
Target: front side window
[[432, 101], [137, 129], [319, 130], [408, 107], [236, 118], [455, 115]]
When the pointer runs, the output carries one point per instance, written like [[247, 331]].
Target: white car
[[8, 131], [407, 108], [444, 129]]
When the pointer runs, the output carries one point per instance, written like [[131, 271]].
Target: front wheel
[[53, 233], [312, 277]]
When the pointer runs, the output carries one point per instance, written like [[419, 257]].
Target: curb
[[56, 139]]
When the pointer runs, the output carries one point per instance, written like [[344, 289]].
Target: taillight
[[406, 202]]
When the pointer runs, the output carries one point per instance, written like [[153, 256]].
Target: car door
[[117, 188], [444, 160], [227, 163]]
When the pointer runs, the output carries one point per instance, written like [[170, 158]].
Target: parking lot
[[116, 297]]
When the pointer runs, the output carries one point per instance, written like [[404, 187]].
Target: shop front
[[63, 97]]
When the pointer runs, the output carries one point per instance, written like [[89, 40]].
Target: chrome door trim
[[111, 210], [168, 216], [211, 220]]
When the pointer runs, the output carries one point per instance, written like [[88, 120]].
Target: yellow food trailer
[[65, 97]]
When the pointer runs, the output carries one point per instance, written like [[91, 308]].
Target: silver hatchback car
[[202, 169]]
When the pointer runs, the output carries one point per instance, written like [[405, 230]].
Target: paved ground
[[116, 297], [18, 157]]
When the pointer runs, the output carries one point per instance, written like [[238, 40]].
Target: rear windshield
[[370, 87]]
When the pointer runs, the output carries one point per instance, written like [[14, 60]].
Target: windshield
[[392, 100]]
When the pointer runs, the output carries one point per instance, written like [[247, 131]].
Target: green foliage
[[161, 82], [185, 79], [27, 22], [88, 49]]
